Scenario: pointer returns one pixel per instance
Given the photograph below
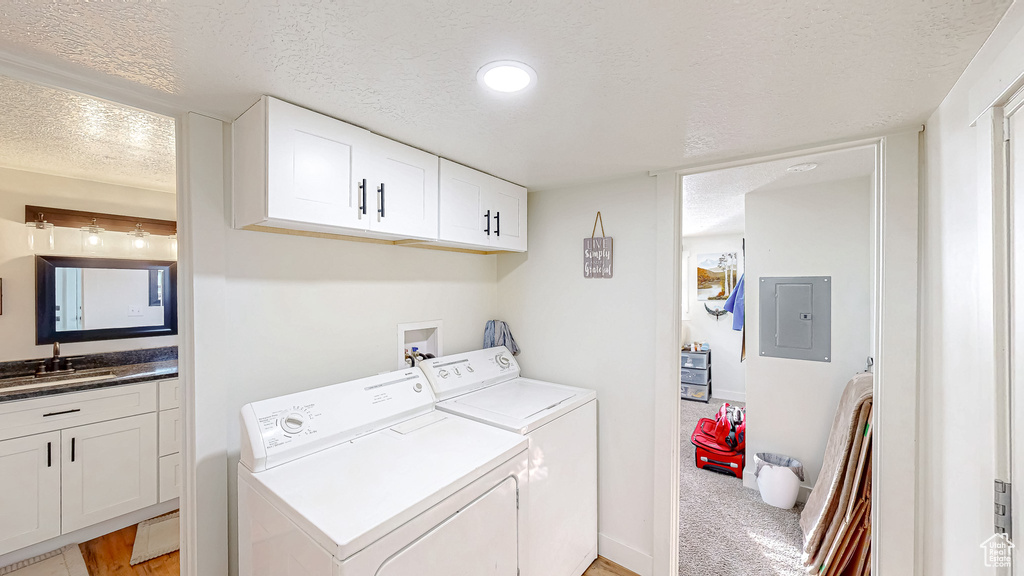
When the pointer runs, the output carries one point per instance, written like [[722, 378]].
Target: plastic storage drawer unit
[[693, 376], [697, 360], [694, 391]]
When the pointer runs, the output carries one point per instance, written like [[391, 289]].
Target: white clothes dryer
[[561, 425], [366, 478]]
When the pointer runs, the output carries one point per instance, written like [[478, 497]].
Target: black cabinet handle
[[381, 190], [49, 454], [62, 412], [488, 216], [497, 223], [72, 449], [362, 188]]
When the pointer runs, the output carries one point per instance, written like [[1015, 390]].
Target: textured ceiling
[[68, 134], [713, 202], [623, 87]]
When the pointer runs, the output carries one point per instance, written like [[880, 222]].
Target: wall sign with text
[[597, 253]]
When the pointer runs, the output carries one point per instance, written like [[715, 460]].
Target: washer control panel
[[460, 373], [281, 429]]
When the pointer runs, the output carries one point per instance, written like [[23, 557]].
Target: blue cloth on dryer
[[735, 305], [497, 333]]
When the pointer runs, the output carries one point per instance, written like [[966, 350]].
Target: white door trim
[[895, 330]]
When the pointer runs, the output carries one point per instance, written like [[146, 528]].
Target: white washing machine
[[366, 478], [561, 425]]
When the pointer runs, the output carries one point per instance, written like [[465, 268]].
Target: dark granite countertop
[[16, 388]]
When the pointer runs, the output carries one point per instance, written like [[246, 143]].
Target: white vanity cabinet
[[296, 169], [29, 490], [107, 469], [72, 460], [478, 210]]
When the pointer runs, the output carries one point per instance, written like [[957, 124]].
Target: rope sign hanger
[[596, 220], [597, 253]]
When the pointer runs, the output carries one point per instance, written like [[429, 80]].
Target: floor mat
[[156, 537], [725, 528], [67, 561]]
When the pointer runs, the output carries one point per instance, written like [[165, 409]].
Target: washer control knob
[[442, 373], [502, 361], [417, 387], [293, 423]]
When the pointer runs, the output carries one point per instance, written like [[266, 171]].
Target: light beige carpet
[[67, 561], [724, 528], [156, 537]]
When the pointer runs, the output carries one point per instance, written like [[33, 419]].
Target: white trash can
[[778, 478]]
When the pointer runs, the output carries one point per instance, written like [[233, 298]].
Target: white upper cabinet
[[479, 210], [297, 169], [403, 194]]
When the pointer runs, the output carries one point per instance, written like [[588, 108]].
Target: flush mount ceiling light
[[802, 167], [506, 76]]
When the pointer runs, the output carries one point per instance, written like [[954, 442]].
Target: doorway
[[91, 185]]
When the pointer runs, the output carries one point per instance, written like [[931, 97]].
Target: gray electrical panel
[[796, 318]]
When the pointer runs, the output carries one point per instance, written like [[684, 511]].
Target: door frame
[[895, 331], [150, 101]]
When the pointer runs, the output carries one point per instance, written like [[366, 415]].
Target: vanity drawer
[[170, 477], [36, 415], [170, 431], [693, 376], [170, 394]]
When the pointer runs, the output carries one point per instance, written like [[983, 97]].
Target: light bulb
[[94, 239], [140, 243]]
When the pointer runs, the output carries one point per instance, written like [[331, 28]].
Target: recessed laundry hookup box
[[796, 317]]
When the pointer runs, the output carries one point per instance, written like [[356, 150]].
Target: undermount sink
[[28, 383]]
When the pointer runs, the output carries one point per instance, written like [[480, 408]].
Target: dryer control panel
[[278, 430], [458, 374]]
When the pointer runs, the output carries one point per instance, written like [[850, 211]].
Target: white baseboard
[[89, 532], [750, 481], [625, 556], [728, 395]]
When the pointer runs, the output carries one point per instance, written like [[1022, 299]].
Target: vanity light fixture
[[40, 234], [139, 240], [506, 76], [92, 238], [805, 167]]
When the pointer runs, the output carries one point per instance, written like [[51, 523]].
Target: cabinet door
[[313, 168], [29, 490], [507, 203], [107, 469], [404, 190], [463, 194]]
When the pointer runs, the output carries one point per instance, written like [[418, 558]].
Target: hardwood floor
[[605, 567], [111, 554]]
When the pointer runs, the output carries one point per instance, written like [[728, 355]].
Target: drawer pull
[[72, 449], [49, 454], [62, 412]]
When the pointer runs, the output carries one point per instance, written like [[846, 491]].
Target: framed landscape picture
[[716, 276]]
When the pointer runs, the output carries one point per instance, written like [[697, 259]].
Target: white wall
[[275, 314], [17, 267], [958, 400], [727, 372], [596, 333], [819, 230], [108, 293]]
